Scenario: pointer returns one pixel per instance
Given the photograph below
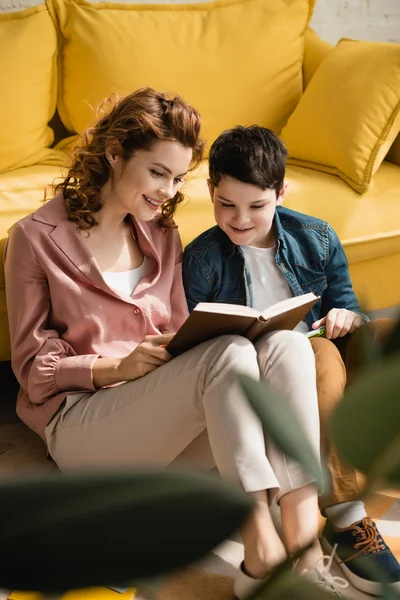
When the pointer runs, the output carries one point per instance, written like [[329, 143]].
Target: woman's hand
[[339, 322], [149, 355]]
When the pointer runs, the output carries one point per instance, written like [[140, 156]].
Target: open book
[[212, 319]]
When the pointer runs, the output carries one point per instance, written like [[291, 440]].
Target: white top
[[269, 284], [126, 281]]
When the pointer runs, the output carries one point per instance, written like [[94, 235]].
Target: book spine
[[256, 329]]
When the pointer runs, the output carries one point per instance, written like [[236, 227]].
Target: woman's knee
[[287, 350], [234, 349], [233, 352], [219, 359], [232, 344], [293, 341]]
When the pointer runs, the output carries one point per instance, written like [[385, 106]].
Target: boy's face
[[245, 212]]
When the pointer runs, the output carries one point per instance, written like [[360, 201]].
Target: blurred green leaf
[[387, 466], [369, 351], [366, 424], [392, 345], [280, 423], [388, 593], [73, 531]]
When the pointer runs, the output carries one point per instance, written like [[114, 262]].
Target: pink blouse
[[62, 314]]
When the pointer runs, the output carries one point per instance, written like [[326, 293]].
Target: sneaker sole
[[369, 587]]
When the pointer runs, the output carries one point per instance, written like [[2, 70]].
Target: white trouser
[[171, 412]]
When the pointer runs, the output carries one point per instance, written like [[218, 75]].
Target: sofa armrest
[[315, 50], [393, 155]]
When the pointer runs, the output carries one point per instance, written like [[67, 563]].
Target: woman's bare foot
[[310, 557], [263, 548]]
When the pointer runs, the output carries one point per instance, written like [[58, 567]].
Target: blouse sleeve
[[43, 363], [179, 308]]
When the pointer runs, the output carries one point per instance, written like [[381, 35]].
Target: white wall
[[377, 20]]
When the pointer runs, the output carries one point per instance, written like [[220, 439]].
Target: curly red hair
[[135, 122]]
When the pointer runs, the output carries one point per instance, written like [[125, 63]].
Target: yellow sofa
[[66, 55]]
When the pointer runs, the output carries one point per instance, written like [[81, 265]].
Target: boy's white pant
[[164, 415]]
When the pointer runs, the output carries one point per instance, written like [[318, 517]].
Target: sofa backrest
[[236, 61], [28, 82]]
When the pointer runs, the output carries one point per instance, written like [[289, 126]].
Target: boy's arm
[[339, 292], [197, 288]]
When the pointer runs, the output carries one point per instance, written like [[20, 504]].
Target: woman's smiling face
[[141, 184]]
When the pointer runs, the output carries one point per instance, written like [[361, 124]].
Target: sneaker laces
[[321, 575], [369, 540]]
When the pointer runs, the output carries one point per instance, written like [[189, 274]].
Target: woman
[[95, 294]]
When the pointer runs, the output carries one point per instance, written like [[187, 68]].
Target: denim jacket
[[308, 254]]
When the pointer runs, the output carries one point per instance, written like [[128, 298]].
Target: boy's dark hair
[[252, 155]]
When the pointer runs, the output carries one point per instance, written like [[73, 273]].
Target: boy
[[260, 253]]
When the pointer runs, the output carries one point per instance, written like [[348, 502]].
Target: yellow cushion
[[315, 50], [21, 192], [349, 114], [394, 152], [236, 61], [87, 594], [28, 84]]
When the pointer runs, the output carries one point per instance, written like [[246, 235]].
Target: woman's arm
[[149, 355], [43, 363], [106, 371], [179, 309]]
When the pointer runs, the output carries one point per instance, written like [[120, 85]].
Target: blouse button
[[136, 311]]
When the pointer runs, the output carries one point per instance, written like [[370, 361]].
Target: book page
[[287, 305], [227, 309]]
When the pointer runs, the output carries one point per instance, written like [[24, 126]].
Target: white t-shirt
[[126, 281], [269, 284]]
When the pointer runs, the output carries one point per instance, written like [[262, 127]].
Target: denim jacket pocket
[[317, 286]]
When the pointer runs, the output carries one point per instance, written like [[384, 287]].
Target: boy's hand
[[339, 322]]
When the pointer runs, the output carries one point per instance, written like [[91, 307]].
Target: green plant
[[62, 532]]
